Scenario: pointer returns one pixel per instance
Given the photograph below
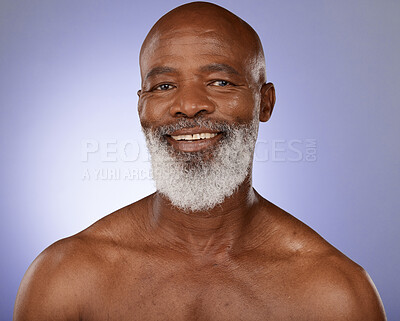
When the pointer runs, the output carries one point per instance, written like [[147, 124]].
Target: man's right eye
[[164, 87]]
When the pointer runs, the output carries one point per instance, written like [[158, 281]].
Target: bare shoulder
[[51, 287], [341, 289], [61, 281], [329, 285]]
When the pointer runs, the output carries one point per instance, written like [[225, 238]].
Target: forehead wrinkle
[[160, 40], [162, 43]]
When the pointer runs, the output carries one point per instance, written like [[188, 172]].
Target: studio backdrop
[[72, 150]]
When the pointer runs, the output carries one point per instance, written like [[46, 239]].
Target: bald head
[[206, 19]]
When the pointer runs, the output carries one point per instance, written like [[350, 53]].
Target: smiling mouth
[[194, 137], [193, 140]]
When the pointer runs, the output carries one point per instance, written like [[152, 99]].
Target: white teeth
[[194, 136]]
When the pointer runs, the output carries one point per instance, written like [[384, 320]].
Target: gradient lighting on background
[[68, 80]]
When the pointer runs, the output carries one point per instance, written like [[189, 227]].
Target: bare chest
[[154, 291]]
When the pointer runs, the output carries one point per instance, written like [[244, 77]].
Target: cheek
[[239, 107], [151, 110]]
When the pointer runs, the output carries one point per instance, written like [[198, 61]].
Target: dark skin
[[244, 260]]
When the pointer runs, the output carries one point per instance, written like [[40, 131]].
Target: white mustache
[[212, 125]]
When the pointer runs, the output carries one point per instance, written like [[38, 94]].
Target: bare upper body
[[244, 259], [128, 266]]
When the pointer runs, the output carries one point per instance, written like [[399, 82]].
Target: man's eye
[[221, 83], [164, 87]]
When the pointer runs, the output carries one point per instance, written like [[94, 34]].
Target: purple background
[[69, 76]]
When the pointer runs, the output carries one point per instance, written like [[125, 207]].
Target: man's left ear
[[267, 101]]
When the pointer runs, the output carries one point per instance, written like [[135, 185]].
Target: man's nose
[[191, 102]]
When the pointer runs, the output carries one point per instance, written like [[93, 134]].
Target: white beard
[[198, 181]]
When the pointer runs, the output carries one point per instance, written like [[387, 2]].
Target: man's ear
[[267, 101], [139, 105]]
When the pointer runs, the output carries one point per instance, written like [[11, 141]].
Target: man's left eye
[[221, 83], [164, 87]]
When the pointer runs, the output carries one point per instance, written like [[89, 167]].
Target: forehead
[[190, 47]]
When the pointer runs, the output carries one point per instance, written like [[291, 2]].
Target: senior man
[[205, 245]]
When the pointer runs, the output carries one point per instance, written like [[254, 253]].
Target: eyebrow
[[219, 67], [159, 71]]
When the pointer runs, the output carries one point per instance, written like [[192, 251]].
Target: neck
[[209, 232]]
